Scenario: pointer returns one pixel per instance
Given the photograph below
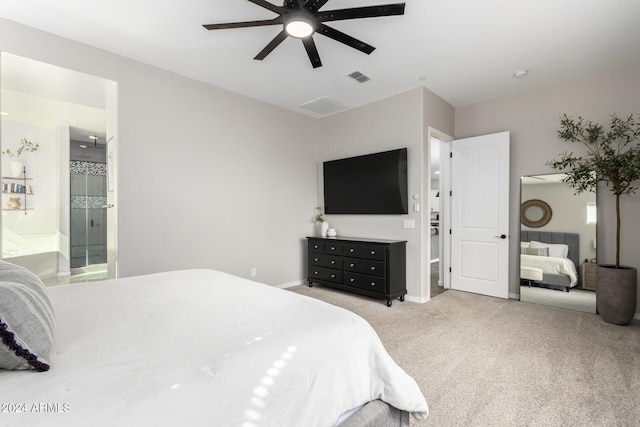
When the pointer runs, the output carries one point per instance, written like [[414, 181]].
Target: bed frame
[[555, 281], [377, 413]]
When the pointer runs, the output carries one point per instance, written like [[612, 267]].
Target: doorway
[[44, 104], [437, 164], [88, 226]]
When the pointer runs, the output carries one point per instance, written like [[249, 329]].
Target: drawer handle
[[373, 283], [333, 261], [333, 276], [315, 273], [315, 260], [373, 252], [333, 248], [352, 250], [352, 280], [352, 265], [315, 246], [373, 267]]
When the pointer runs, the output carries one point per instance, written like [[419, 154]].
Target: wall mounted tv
[[370, 184]]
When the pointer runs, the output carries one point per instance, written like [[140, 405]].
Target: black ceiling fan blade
[[362, 12], [312, 51], [314, 5], [272, 45], [272, 7], [260, 23], [341, 37], [292, 4]]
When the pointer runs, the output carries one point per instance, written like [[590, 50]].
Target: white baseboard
[[416, 299], [290, 284]]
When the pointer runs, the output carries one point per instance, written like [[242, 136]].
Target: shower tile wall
[[88, 216]]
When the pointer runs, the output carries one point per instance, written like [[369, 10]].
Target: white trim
[[290, 284], [416, 299]]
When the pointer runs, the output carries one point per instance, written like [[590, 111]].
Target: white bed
[[203, 348]]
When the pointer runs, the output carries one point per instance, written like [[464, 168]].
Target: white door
[[480, 215]]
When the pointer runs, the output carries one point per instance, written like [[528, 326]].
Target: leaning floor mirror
[[557, 244]]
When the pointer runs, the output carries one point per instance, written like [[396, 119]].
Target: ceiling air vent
[[358, 76], [324, 105]]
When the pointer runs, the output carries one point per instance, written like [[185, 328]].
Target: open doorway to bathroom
[[48, 106], [88, 221]]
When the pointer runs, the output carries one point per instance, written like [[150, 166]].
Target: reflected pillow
[[556, 250], [26, 320], [535, 251]]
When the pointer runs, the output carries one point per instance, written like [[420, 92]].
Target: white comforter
[[203, 348], [551, 265]]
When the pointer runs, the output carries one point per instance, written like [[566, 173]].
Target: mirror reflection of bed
[[557, 244]]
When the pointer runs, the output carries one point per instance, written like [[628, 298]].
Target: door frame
[[444, 206]]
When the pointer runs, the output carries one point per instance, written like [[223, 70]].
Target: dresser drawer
[[334, 248], [365, 266], [316, 246], [352, 250], [377, 252], [327, 274], [366, 282], [324, 260]]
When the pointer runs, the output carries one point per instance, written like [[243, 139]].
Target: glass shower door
[[88, 213]]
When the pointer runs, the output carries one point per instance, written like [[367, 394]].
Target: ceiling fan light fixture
[[299, 28]]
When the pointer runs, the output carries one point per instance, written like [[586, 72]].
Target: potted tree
[[612, 157]]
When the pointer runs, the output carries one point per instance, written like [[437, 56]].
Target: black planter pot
[[616, 293]]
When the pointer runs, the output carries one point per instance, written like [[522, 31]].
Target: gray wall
[[396, 122], [533, 119], [207, 178]]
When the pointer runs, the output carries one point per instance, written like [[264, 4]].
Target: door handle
[[107, 206], [502, 236]]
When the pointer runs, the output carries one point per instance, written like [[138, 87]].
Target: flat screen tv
[[370, 184]]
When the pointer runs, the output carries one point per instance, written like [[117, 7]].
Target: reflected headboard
[[570, 239]]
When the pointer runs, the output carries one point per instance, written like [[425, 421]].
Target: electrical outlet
[[254, 272]]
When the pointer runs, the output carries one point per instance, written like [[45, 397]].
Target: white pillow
[[556, 250], [524, 244], [26, 320]]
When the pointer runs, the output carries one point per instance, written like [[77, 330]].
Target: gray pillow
[[27, 321], [535, 251]]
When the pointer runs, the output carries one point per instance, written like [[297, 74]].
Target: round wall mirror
[[535, 213]]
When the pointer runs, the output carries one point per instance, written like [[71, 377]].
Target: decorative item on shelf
[[17, 167], [14, 203], [331, 232], [613, 158]]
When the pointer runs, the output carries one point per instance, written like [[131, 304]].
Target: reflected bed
[[557, 263]]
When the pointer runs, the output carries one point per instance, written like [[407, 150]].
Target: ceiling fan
[[302, 18]]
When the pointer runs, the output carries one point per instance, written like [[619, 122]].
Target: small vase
[[324, 228], [16, 168]]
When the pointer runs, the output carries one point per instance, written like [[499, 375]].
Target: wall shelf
[[18, 188]]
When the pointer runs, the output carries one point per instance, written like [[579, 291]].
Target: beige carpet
[[483, 361]]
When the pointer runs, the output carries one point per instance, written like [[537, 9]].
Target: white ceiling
[[465, 51]]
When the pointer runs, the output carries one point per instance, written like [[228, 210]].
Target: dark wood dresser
[[376, 268]]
